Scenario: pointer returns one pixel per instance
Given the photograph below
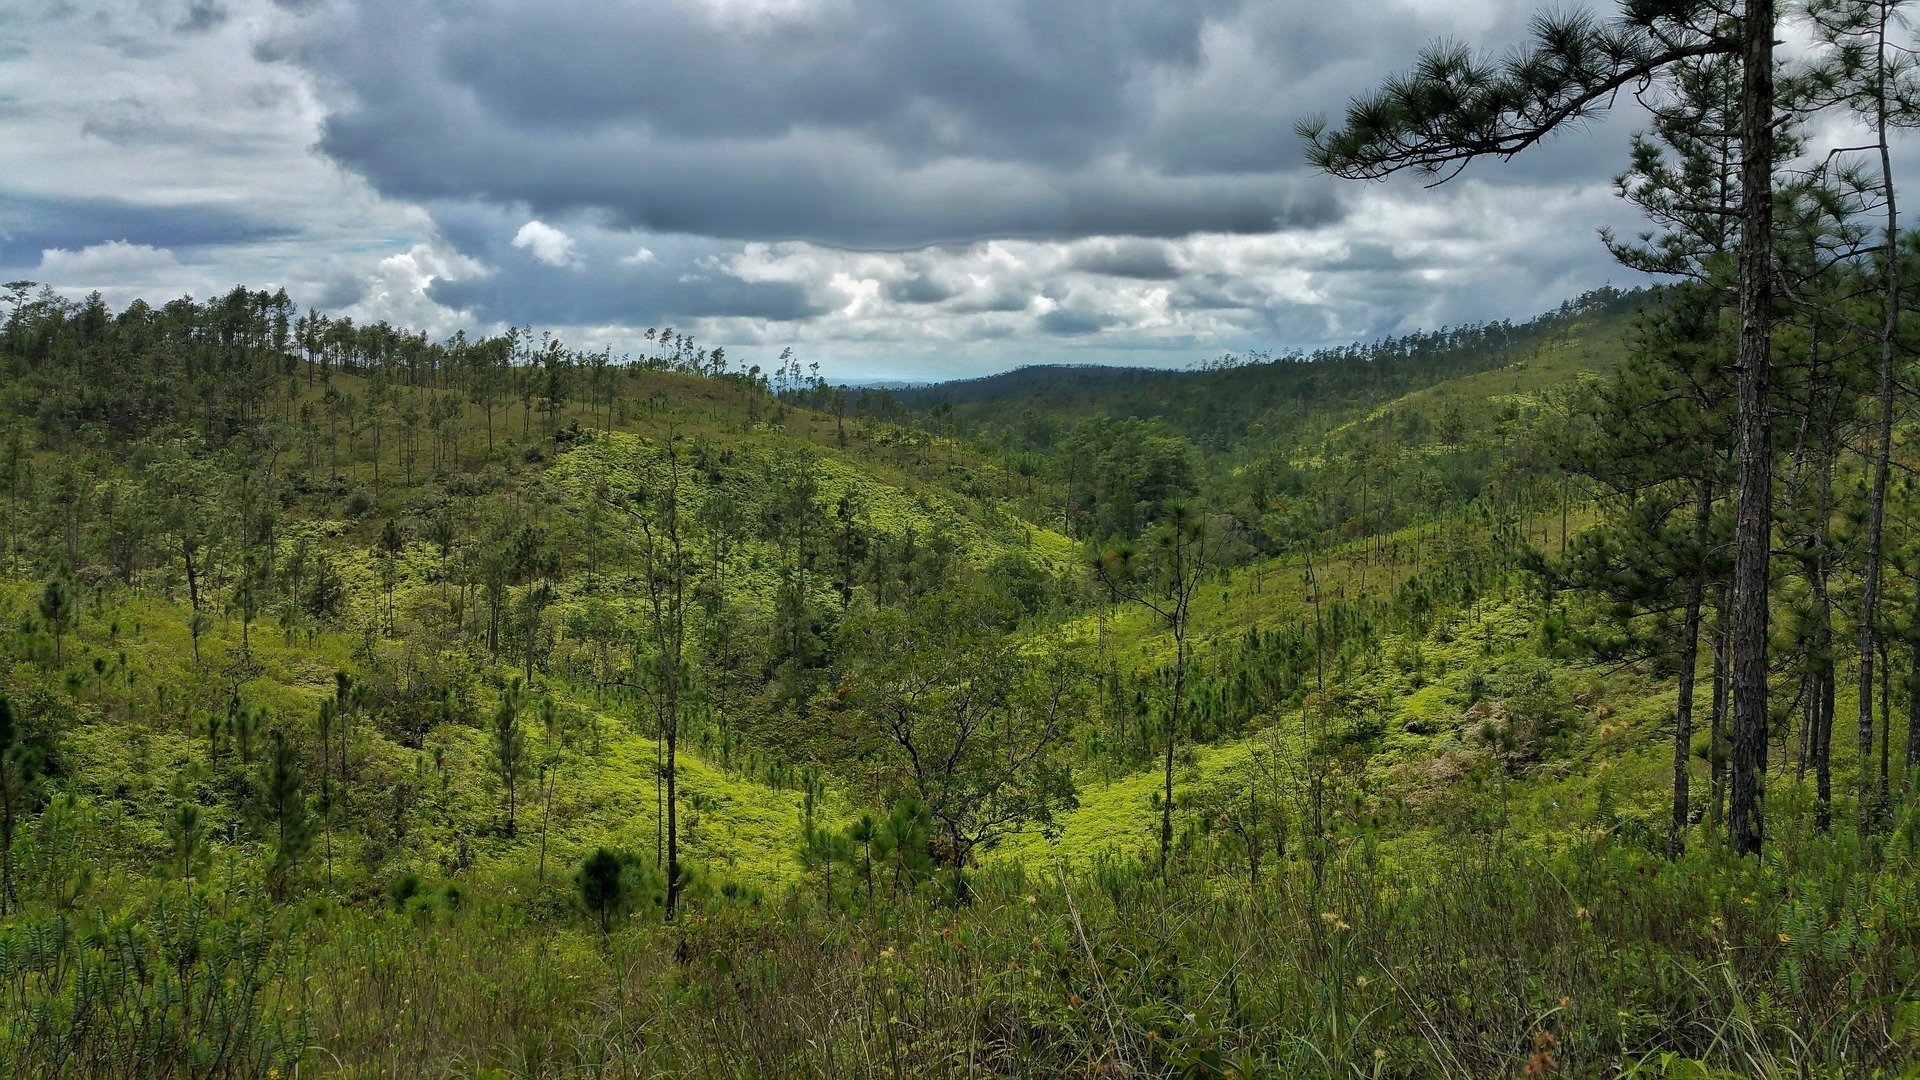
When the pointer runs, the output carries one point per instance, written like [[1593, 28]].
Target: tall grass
[[1599, 958]]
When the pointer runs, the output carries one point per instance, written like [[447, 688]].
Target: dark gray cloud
[[202, 16], [855, 124], [1128, 257], [340, 291], [31, 224], [542, 296], [919, 289], [1073, 323], [678, 278]]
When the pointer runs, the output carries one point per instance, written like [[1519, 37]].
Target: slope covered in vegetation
[[381, 705]]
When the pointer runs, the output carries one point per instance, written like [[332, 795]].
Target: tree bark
[[1912, 756], [1825, 680], [1717, 720], [1753, 523], [1173, 733], [1689, 664], [1882, 451]]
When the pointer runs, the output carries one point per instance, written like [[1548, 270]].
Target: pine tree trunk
[[673, 814], [1886, 727], [1683, 720], [546, 818], [1717, 721], [1173, 732], [1825, 679], [1689, 665], [6, 846], [1804, 756], [1882, 451], [1912, 756], [1823, 748], [1753, 524]]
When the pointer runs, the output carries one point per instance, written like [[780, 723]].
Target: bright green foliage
[[920, 752]]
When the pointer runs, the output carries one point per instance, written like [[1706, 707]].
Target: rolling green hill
[[342, 668]]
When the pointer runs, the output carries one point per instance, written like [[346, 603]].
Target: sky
[[897, 189]]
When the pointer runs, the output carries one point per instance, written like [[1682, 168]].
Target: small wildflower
[[1360, 980], [1379, 1054], [1032, 901], [1786, 939], [1542, 1062], [1583, 913]]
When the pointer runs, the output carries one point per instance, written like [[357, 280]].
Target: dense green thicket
[[1336, 444]]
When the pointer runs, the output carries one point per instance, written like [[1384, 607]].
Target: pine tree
[[1455, 107], [509, 748], [602, 886], [667, 550], [1876, 81], [187, 835], [20, 764], [282, 808], [1658, 443], [390, 546], [56, 611], [1178, 560]]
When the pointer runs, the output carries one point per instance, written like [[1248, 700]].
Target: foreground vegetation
[[1600, 959]]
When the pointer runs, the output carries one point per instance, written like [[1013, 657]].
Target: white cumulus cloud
[[121, 271], [546, 243], [107, 263]]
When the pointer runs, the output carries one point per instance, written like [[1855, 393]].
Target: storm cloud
[[31, 224], [898, 187], [853, 124]]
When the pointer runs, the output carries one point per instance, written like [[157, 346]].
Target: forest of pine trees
[[1502, 699]]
